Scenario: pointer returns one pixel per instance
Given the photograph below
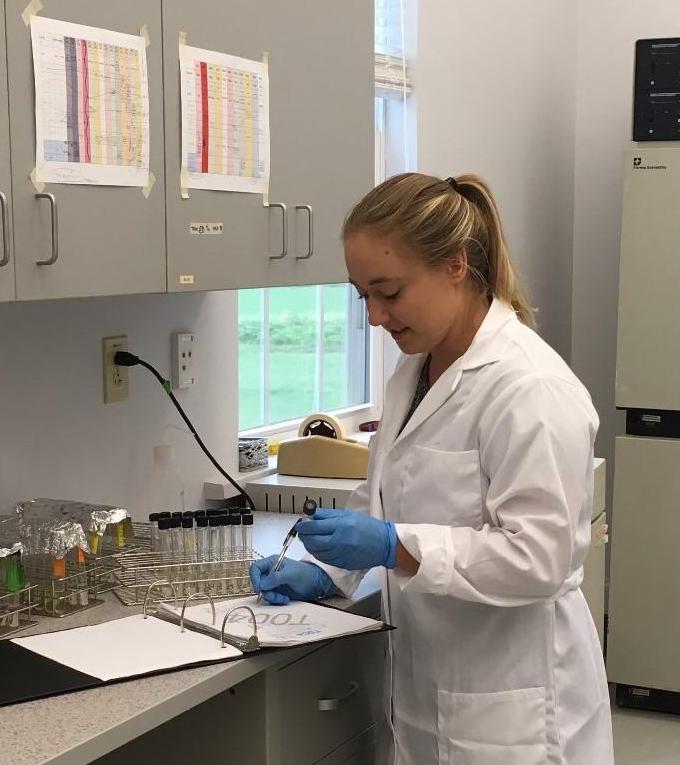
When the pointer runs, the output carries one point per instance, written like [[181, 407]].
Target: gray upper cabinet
[[328, 158], [6, 250], [321, 128], [109, 240]]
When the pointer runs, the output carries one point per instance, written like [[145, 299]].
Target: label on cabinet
[[206, 228], [186, 278]]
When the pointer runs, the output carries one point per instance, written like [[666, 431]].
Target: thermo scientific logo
[[637, 165]]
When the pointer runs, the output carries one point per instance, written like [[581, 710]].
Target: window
[[301, 350], [307, 349]]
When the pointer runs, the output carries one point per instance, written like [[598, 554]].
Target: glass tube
[[214, 541], [202, 550]]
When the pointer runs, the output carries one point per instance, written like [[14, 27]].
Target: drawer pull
[[330, 705]]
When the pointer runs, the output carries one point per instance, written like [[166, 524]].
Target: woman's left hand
[[349, 539]]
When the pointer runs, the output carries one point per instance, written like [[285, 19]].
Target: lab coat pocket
[[503, 728], [443, 488]]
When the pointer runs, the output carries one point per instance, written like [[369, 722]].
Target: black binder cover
[[25, 675]]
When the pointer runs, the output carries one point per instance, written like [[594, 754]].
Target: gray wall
[[495, 90], [60, 440], [606, 33]]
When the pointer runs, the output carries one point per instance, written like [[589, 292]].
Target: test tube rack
[[78, 585], [16, 609], [205, 579]]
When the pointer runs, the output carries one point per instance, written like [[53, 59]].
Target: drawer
[[330, 696], [362, 750]]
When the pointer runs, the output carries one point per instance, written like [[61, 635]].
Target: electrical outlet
[[183, 359], [116, 386]]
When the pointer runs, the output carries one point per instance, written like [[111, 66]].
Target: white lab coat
[[495, 659]]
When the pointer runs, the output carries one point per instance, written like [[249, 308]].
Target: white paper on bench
[[127, 647]]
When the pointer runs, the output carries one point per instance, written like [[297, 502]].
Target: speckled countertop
[[79, 727]]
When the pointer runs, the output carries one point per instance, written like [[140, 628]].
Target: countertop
[[78, 727]]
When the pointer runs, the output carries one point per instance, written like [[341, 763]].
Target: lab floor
[[645, 738]]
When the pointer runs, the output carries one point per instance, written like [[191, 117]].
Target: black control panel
[[656, 114]]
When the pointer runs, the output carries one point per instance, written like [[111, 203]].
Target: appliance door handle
[[55, 230], [5, 229], [284, 228], [310, 232], [331, 705]]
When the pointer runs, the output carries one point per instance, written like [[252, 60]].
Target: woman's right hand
[[295, 580]]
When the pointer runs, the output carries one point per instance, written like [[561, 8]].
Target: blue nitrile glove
[[295, 580], [349, 539]]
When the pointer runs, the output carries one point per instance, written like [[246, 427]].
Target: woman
[[478, 497]]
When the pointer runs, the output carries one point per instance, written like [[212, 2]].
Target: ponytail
[[503, 282]]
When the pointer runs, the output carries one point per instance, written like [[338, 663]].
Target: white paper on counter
[[294, 624], [127, 647]]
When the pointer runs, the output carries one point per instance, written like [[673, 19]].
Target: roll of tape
[[328, 419]]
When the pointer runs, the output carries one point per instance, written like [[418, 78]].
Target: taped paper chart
[[225, 121], [91, 105]]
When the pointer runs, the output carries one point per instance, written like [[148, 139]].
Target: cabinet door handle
[[55, 230], [310, 232], [284, 228], [5, 229], [331, 705]]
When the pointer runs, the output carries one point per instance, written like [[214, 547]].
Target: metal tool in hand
[[308, 508]]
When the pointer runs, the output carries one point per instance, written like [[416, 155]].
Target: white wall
[[495, 89], [607, 31], [59, 439]]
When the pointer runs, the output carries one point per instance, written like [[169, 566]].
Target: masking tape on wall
[[144, 32], [37, 183], [184, 184], [34, 7], [146, 190], [265, 193], [183, 176], [328, 419]]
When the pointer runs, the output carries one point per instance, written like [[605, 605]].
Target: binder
[[147, 644]]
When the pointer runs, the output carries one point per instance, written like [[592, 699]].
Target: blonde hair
[[437, 220]]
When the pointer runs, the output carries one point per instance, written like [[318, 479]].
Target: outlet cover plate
[[183, 359], [116, 385]]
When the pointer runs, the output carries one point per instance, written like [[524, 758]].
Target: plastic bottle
[[165, 490]]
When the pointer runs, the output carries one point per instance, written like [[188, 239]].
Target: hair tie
[[453, 183]]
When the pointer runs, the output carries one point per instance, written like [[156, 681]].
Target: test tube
[[214, 541], [247, 536], [164, 545], [83, 590], [58, 598], [202, 551], [14, 582], [153, 522], [236, 551], [189, 554]]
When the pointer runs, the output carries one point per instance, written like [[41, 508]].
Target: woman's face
[[418, 305]]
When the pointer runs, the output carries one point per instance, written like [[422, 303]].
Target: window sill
[[218, 491]]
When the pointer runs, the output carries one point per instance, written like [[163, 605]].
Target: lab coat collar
[[492, 338], [487, 347]]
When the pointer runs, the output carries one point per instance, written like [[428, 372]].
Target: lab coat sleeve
[[345, 581], [536, 447]]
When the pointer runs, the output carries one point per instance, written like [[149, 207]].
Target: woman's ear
[[457, 267]]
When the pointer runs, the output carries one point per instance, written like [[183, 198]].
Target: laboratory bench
[[318, 703]]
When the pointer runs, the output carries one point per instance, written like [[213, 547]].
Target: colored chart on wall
[[91, 105], [225, 121]]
